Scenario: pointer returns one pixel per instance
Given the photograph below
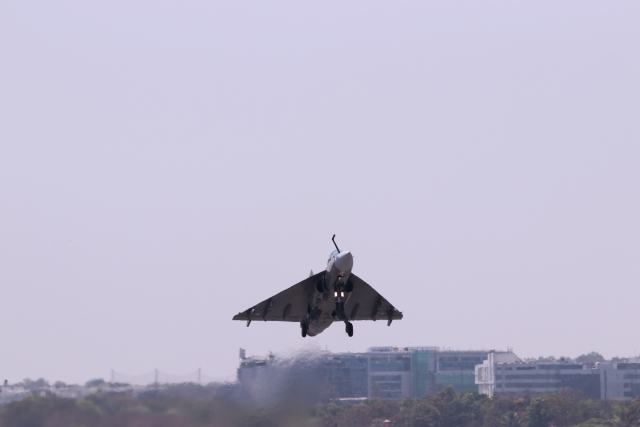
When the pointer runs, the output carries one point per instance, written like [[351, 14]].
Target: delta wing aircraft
[[335, 294]]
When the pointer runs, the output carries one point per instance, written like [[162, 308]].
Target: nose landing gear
[[305, 329], [349, 329]]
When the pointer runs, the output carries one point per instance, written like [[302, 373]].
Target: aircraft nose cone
[[344, 261]]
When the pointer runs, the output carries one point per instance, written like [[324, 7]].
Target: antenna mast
[[333, 239]]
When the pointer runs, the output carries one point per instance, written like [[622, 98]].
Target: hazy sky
[[165, 165]]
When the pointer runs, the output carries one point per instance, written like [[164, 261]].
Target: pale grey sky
[[164, 165]]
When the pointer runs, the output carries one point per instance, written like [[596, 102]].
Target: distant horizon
[[227, 378]]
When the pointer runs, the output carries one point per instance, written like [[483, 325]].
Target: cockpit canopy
[[332, 255]]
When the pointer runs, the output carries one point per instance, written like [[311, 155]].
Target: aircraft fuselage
[[328, 306]]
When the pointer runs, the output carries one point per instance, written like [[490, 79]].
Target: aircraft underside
[[329, 313]]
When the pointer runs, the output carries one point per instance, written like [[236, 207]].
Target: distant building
[[10, 393], [619, 380], [456, 368], [250, 367], [382, 372], [602, 381], [386, 372]]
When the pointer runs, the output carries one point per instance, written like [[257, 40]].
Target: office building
[[388, 372], [601, 381]]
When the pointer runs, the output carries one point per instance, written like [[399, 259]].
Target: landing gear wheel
[[304, 330], [349, 329]]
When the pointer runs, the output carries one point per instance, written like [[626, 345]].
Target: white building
[[604, 381], [485, 373]]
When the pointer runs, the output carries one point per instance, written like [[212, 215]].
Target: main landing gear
[[305, 329], [349, 328]]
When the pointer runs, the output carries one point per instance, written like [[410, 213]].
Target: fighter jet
[[335, 294]]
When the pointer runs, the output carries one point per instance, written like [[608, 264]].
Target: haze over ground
[[165, 165]]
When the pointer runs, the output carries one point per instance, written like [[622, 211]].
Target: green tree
[[502, 411], [629, 413], [33, 411], [569, 407], [538, 413], [356, 416], [591, 357], [422, 414], [96, 382], [30, 384], [381, 408]]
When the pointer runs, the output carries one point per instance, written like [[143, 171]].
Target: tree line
[[200, 406], [447, 408]]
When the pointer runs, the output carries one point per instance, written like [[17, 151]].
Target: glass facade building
[[396, 372], [391, 372]]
